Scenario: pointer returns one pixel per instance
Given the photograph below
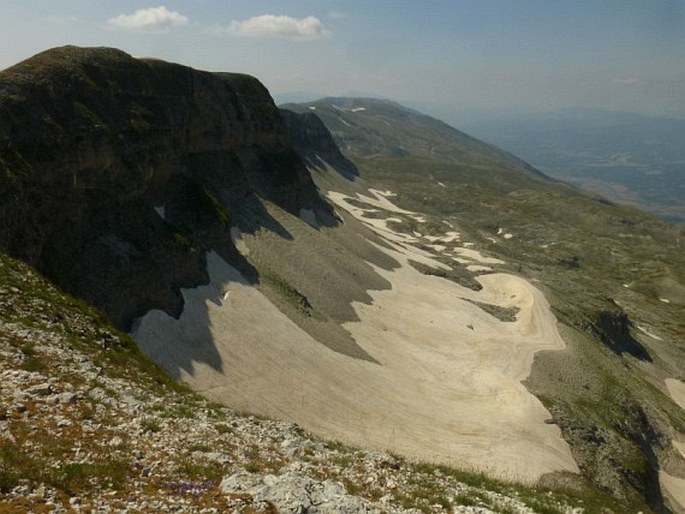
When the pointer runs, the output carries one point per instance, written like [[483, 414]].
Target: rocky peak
[[119, 173]]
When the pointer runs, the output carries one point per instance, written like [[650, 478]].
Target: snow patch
[[379, 225], [441, 356], [674, 488], [450, 237], [476, 256], [676, 389], [475, 268], [380, 200], [645, 331]]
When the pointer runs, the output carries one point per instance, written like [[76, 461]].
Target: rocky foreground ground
[[88, 425]]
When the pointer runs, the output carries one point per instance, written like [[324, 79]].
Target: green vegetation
[[223, 428], [32, 361], [218, 208], [150, 425], [424, 493], [192, 470], [200, 447], [87, 113], [14, 464], [74, 477], [139, 118]]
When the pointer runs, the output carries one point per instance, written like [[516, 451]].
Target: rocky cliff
[[117, 174], [312, 140]]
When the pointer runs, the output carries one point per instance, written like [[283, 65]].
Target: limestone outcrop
[[118, 174]]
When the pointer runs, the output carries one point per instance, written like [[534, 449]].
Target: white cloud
[[148, 18], [337, 15], [270, 25]]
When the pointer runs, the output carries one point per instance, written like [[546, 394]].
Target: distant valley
[[627, 158]]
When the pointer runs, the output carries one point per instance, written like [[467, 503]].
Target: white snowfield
[[674, 489], [447, 386], [676, 388]]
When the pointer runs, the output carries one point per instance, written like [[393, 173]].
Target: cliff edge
[[118, 174]]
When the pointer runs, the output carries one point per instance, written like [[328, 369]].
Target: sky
[[496, 56]]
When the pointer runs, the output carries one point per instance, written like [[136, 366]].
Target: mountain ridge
[[307, 270], [87, 128], [438, 127]]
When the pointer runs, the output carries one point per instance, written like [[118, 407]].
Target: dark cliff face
[[312, 140], [118, 174]]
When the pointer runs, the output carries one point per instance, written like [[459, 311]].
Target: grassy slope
[[613, 409]]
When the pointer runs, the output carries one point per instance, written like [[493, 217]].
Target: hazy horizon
[[529, 55]]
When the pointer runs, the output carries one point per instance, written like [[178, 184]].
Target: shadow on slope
[[312, 140]]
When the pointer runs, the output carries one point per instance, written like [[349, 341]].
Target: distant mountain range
[[628, 158]]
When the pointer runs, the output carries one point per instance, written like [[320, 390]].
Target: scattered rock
[[43, 389], [294, 493]]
